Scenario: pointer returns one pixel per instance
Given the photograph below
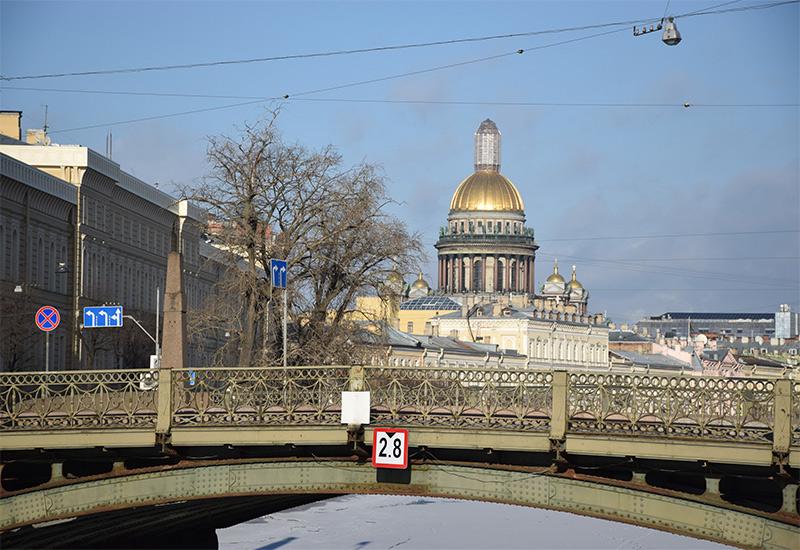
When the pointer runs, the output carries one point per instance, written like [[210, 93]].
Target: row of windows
[[44, 254], [482, 227], [564, 350], [123, 228]]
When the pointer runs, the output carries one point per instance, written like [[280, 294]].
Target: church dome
[[574, 284], [555, 276], [487, 190], [420, 283]]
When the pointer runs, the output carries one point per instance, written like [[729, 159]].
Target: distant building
[[684, 324], [629, 341], [75, 231], [786, 322], [551, 338]]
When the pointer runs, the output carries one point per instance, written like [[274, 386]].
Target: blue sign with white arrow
[[279, 271], [102, 317]]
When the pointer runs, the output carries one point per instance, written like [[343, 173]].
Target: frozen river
[[407, 523]]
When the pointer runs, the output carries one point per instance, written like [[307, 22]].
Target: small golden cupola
[[555, 276], [419, 288], [574, 284]]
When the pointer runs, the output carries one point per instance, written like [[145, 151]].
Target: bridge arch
[[309, 480]]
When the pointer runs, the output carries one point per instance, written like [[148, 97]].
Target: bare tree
[[269, 199]]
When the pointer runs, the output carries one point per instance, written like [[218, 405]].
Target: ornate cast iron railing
[[461, 398], [76, 400], [796, 413], [671, 406], [492, 398], [258, 396]]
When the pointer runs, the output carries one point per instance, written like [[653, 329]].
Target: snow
[[406, 523]]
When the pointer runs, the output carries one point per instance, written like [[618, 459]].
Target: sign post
[[279, 276], [47, 319]]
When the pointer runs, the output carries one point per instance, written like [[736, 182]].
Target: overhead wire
[[680, 272], [298, 95], [702, 12], [328, 53], [340, 86], [675, 105]]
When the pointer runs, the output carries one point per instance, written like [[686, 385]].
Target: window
[[410, 327]]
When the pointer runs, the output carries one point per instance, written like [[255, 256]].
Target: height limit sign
[[390, 448]]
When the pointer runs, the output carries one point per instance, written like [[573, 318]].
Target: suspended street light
[[671, 36]]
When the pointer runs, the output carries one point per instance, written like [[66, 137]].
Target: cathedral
[[487, 291], [486, 252]]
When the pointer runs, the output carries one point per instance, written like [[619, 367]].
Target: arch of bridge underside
[[704, 516]]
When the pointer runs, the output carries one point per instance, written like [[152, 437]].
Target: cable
[[406, 101], [673, 235], [706, 11], [680, 272], [340, 86], [327, 53]]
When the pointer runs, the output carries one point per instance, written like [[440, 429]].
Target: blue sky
[[584, 172]]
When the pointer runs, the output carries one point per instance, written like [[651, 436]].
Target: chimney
[[11, 124], [37, 137]]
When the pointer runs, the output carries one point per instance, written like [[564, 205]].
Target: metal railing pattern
[[76, 400], [258, 396], [505, 399], [671, 406], [508, 399]]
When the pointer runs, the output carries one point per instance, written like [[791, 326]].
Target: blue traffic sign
[[279, 270], [47, 318], [102, 317]]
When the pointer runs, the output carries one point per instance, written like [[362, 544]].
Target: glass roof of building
[[431, 302]]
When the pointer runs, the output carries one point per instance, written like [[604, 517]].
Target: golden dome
[[487, 190], [555, 277], [420, 283], [574, 284]]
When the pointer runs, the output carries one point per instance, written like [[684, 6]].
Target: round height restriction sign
[[47, 318], [390, 448]]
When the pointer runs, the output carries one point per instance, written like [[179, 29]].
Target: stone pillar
[[484, 271], [173, 353], [507, 272]]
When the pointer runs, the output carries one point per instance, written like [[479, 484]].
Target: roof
[[625, 336], [707, 316], [434, 303], [487, 190], [653, 360]]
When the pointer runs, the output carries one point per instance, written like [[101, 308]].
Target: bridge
[[164, 457]]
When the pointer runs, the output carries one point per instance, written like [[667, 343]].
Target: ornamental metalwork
[[461, 398], [671, 406], [258, 396], [427, 393], [77, 400], [796, 413]]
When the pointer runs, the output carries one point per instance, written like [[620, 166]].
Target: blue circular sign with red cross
[[47, 318]]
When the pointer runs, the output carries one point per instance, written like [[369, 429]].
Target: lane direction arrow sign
[[102, 317], [279, 272]]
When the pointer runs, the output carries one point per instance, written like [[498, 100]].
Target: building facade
[[674, 324], [77, 231], [547, 338]]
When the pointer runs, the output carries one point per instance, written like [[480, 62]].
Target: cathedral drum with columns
[[486, 247]]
